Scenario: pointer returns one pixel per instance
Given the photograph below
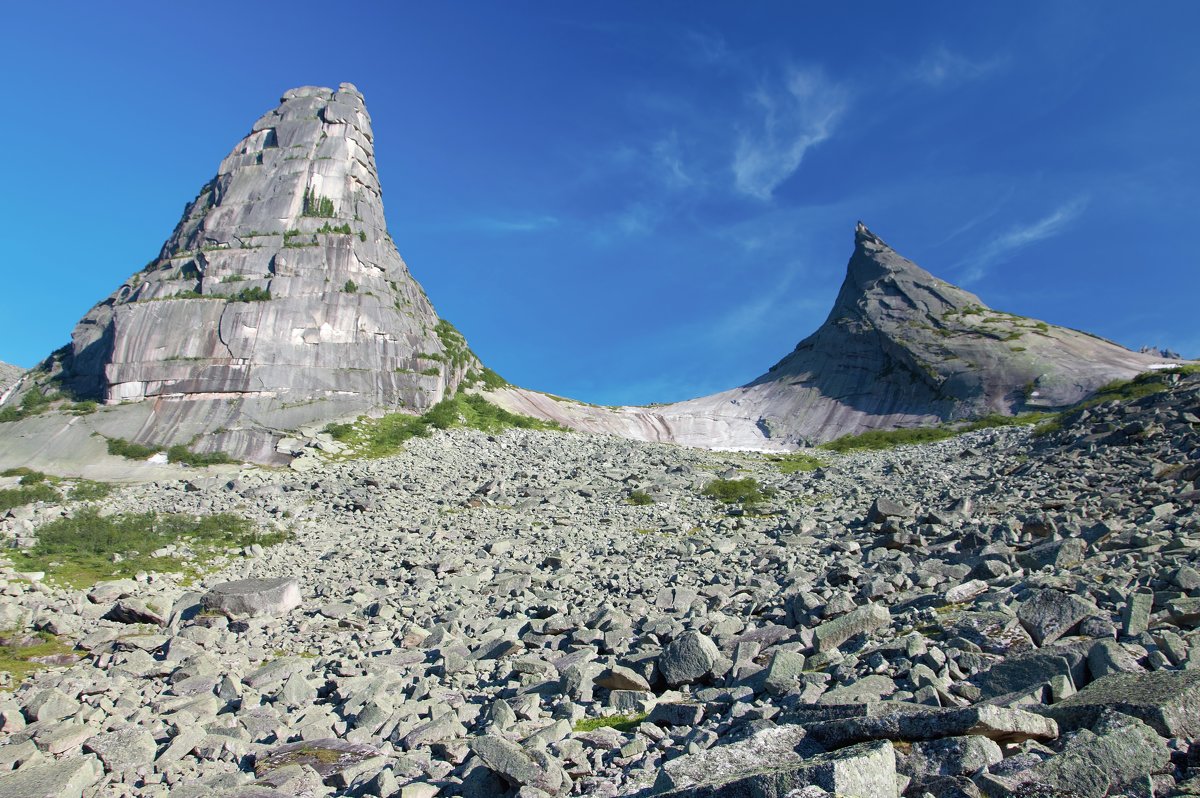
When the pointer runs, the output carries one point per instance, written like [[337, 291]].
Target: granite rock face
[[900, 348], [280, 288], [9, 374]]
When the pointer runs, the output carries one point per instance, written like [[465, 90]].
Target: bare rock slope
[[279, 299], [900, 348]]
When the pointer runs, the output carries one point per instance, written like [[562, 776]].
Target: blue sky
[[637, 202]]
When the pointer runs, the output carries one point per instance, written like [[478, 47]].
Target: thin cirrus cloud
[[942, 68], [789, 122], [529, 224], [1005, 245]]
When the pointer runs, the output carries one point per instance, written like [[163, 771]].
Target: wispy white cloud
[[788, 122], [1006, 244], [526, 224], [668, 159], [942, 68]]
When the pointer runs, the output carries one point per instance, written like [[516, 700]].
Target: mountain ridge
[[900, 347]]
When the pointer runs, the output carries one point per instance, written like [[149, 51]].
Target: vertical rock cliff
[[279, 289]]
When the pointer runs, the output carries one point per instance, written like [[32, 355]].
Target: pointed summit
[[279, 298], [900, 348]]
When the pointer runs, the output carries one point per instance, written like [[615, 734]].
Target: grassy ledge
[[384, 436], [179, 453]]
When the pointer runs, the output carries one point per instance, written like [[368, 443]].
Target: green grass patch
[[27, 494], [87, 490], [640, 498], [880, 439], [87, 547], [624, 723], [384, 436], [746, 492], [19, 651], [120, 447], [179, 453], [796, 461]]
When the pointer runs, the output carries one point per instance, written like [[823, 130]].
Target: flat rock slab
[[832, 634], [996, 723], [775, 745], [1027, 670], [860, 771], [328, 756], [1167, 701], [64, 778], [253, 597]]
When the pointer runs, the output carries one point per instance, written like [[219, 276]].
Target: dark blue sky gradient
[[637, 202]]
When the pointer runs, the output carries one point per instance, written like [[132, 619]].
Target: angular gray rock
[[253, 597], [866, 618], [867, 770], [916, 723], [1050, 614], [1167, 701], [124, 749], [776, 745], [520, 766], [63, 778]]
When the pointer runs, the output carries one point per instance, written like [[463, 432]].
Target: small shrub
[[746, 492], [254, 294], [233, 278], [491, 380], [86, 490], [624, 723], [640, 498], [350, 287], [27, 494], [432, 371], [179, 453], [316, 205], [129, 450]]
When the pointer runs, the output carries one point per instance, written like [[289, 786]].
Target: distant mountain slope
[[900, 347]]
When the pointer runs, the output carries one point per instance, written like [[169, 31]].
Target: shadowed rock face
[[294, 214], [900, 348]]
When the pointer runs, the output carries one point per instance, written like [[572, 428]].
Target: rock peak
[[279, 288]]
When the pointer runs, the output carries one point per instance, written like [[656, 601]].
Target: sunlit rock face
[[900, 348], [279, 288]]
